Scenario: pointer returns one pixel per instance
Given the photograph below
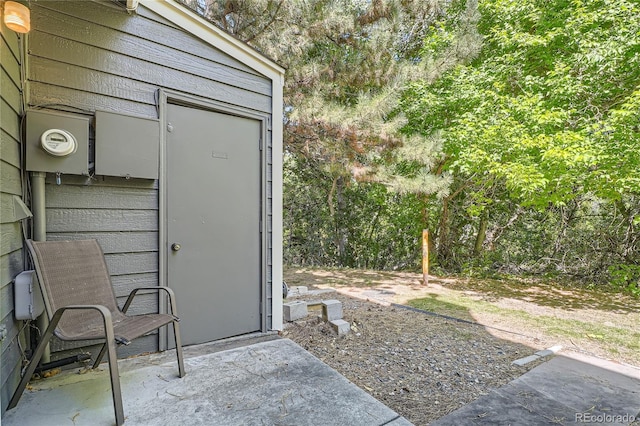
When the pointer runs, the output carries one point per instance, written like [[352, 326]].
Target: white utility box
[[27, 297]]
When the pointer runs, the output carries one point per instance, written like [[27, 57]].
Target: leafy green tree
[[380, 225], [546, 115]]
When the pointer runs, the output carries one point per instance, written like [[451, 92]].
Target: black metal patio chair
[[81, 305]]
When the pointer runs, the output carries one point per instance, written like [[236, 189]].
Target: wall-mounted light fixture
[[132, 5], [17, 17]]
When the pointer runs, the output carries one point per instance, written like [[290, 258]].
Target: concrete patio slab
[[273, 382], [266, 380], [564, 390]]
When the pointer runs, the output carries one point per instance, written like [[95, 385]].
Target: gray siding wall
[[11, 261], [95, 56]]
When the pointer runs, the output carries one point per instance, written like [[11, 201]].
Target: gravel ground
[[421, 366]]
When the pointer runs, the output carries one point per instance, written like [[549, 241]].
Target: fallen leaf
[[51, 373]]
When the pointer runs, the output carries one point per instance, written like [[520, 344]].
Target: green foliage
[[626, 277], [549, 106], [541, 134], [370, 227]]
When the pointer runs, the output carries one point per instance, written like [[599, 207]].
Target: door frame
[[165, 97]]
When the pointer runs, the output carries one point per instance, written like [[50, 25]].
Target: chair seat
[[127, 327]]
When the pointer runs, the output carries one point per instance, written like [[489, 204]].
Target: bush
[[625, 277]]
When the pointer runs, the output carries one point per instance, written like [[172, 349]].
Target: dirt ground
[[422, 366]]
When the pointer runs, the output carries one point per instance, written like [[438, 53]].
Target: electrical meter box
[[27, 296], [127, 146], [57, 142]]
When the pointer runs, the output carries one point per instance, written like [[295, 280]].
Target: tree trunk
[[567, 216], [482, 234], [332, 192], [425, 220], [443, 234], [341, 233]]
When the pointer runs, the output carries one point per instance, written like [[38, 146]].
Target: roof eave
[[208, 32]]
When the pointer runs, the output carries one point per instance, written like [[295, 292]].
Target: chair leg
[[115, 377], [33, 364], [100, 355], [176, 335]]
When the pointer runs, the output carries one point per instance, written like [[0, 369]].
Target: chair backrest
[[73, 273]]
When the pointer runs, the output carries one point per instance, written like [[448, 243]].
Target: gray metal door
[[213, 190]]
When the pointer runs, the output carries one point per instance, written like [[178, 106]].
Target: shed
[[177, 168]]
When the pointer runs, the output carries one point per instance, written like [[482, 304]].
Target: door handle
[[176, 246]]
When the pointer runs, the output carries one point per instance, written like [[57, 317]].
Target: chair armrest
[[170, 293], [104, 312]]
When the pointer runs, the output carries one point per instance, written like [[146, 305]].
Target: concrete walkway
[[565, 390], [273, 382]]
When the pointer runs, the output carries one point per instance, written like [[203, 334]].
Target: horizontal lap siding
[[11, 256], [95, 56], [101, 49], [123, 216]]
